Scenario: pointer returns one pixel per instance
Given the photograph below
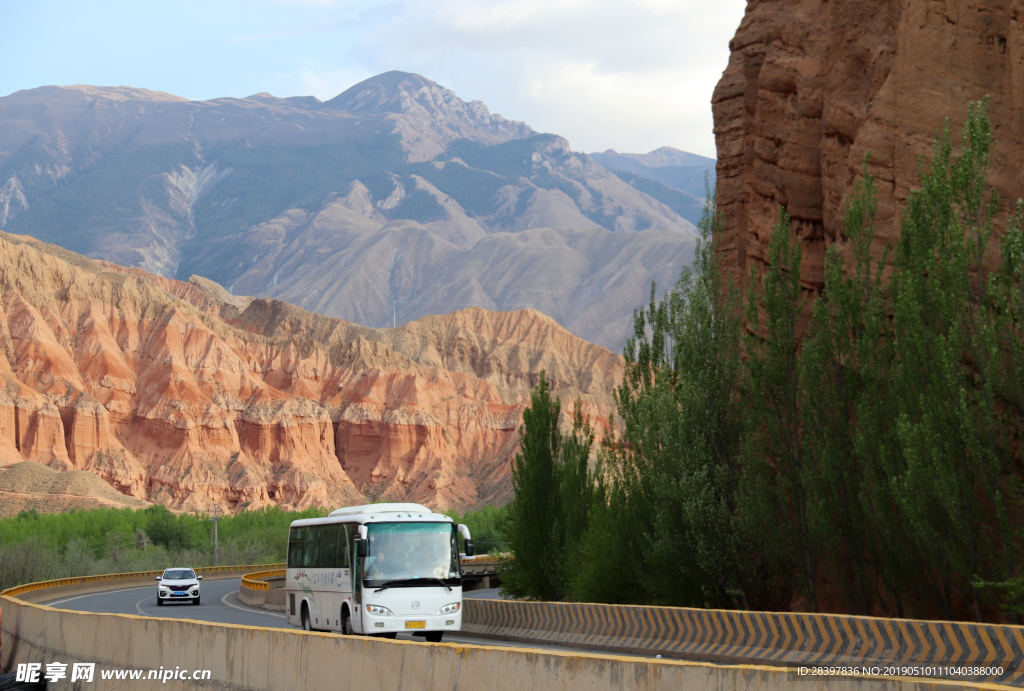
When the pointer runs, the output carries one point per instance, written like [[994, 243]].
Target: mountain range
[[392, 201], [181, 394]]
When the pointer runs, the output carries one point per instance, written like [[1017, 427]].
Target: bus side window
[[295, 544], [328, 546], [350, 548], [342, 546], [311, 555]]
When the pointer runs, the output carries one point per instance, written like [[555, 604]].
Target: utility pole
[[215, 519]]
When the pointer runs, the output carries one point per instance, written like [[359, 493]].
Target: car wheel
[[306, 625], [195, 600], [159, 602], [346, 623], [434, 636]]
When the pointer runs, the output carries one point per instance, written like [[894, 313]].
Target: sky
[[629, 75]]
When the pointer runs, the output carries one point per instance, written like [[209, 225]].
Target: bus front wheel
[[346, 622], [434, 636], [305, 619]]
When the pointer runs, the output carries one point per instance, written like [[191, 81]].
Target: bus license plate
[[415, 624]]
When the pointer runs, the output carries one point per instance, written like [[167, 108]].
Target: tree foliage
[[865, 445]]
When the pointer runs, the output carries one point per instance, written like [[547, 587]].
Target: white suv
[[178, 584]]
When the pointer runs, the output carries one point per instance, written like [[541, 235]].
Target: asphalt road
[[220, 605]]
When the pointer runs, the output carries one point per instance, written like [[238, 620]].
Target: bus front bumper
[[412, 624]]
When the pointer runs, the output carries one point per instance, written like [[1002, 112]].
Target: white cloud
[[626, 74]]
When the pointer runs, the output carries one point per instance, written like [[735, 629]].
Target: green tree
[[547, 516], [957, 487], [911, 395], [779, 478], [846, 417], [672, 475]]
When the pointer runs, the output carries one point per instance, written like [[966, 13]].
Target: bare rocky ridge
[[671, 167], [28, 486], [182, 394], [427, 116], [231, 189], [812, 86]]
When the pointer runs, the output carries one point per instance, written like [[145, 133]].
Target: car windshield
[[178, 574], [403, 553]]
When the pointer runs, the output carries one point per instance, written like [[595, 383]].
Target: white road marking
[[102, 592], [138, 607], [250, 609]]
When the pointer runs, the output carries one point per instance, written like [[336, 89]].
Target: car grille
[[179, 588]]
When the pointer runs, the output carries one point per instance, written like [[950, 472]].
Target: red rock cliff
[[182, 394], [812, 85]]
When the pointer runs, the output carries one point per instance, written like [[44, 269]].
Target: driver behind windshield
[[381, 566]]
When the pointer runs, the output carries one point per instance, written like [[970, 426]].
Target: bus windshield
[[402, 553]]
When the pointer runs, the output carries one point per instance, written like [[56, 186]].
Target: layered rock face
[[182, 394], [812, 86]]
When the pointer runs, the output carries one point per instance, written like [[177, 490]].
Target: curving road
[[220, 604]]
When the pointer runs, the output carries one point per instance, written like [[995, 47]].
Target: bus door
[[357, 577]]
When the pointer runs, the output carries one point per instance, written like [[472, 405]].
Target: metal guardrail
[[113, 577], [249, 580], [483, 565], [472, 565]]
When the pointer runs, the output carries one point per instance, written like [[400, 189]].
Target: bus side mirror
[[467, 541], [361, 550]]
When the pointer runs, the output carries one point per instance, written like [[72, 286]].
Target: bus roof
[[381, 508], [375, 513]]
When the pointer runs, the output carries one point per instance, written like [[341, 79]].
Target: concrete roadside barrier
[[257, 588], [944, 649], [257, 659], [158, 650]]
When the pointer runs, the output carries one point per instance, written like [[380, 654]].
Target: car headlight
[[164, 587], [379, 611], [453, 608]]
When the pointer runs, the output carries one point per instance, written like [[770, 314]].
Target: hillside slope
[[181, 394]]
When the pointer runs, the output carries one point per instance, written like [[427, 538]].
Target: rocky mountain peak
[[410, 95]]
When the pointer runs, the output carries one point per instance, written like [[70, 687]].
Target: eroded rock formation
[[812, 86], [182, 394]]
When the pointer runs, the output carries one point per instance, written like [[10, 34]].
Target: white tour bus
[[376, 570]]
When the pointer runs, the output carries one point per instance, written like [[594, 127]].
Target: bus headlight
[[449, 609], [379, 611]]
